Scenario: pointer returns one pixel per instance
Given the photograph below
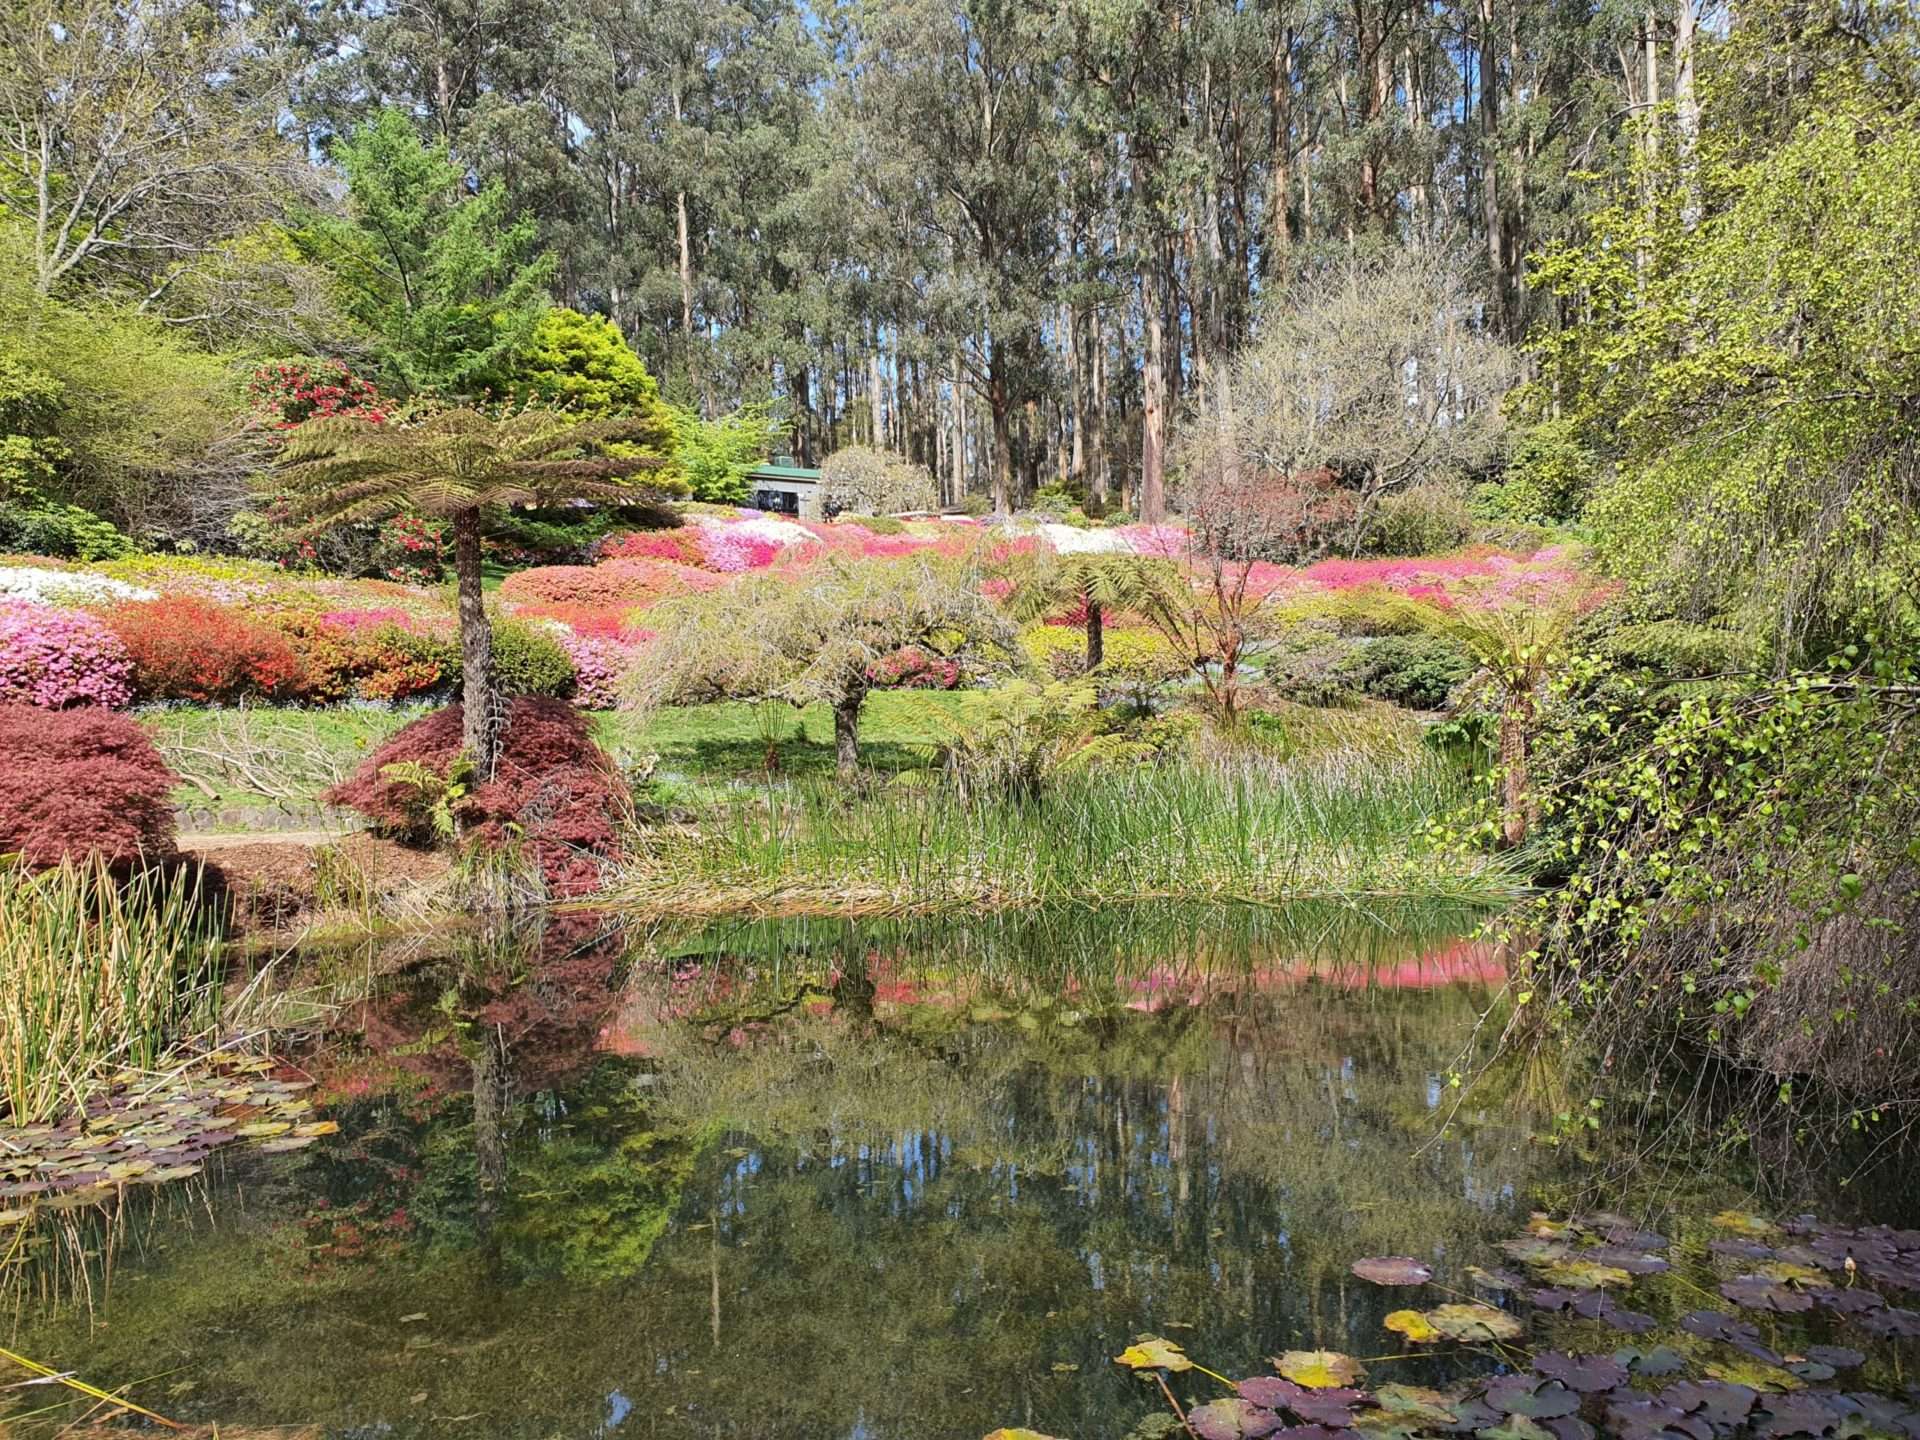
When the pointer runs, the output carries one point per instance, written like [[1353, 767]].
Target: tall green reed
[[100, 972], [1243, 828]]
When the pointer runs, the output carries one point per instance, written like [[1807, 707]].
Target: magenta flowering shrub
[[1163, 542], [598, 666], [1478, 577], [290, 392], [732, 549], [911, 668], [58, 658]]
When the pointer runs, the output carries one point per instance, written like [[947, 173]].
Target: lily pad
[[1327, 1407], [1151, 1352], [1756, 1292], [1515, 1427], [1318, 1369], [1231, 1419], [1578, 1273], [1653, 1362], [1535, 1396], [1585, 1374], [1413, 1325], [1269, 1391], [1429, 1407], [1473, 1323], [1393, 1270], [1717, 1401]]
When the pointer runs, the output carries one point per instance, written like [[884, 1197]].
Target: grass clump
[[101, 974], [1246, 828]]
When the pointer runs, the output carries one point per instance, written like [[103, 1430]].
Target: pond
[[813, 1178]]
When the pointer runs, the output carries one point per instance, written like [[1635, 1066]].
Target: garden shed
[[784, 488]]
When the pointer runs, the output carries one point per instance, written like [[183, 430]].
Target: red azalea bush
[[186, 648], [290, 392], [617, 624], [75, 782], [626, 583], [561, 791], [681, 546]]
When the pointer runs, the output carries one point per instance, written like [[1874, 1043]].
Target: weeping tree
[[1101, 583], [815, 634], [458, 464]]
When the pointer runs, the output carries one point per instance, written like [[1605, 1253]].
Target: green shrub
[[37, 527], [1426, 520], [1309, 665], [1548, 477], [878, 524], [1417, 671], [527, 660]]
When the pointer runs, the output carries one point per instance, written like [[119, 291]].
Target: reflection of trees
[[898, 1210]]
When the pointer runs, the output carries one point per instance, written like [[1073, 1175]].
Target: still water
[[819, 1179]]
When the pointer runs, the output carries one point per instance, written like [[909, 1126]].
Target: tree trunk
[[1002, 430], [846, 732], [1153, 407], [1097, 436], [1096, 636], [1516, 804], [478, 732]]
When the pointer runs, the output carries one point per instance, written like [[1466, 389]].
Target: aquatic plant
[[101, 972], [1240, 829]]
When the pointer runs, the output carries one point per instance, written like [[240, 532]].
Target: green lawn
[[260, 765]]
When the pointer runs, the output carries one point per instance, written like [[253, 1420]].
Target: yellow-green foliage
[[1133, 657]]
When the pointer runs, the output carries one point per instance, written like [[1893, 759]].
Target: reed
[[1244, 829], [101, 974]]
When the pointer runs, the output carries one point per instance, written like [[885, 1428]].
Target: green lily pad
[[1151, 1352], [1473, 1323]]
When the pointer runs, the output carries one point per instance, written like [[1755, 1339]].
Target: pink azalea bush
[[911, 668], [681, 546], [1163, 542], [58, 658], [598, 667], [733, 549]]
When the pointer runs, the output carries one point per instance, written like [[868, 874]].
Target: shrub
[[1417, 671], [732, 549], [598, 667], [289, 392], [366, 654], [874, 524], [529, 661], [560, 791], [1309, 664], [1426, 520], [186, 648], [618, 624], [56, 658], [66, 531], [64, 587], [625, 583], [681, 546], [80, 782], [1548, 478], [874, 482]]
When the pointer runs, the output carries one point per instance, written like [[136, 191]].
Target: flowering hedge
[[186, 648], [598, 668], [77, 782], [624, 583], [681, 546], [57, 658], [911, 668], [65, 587]]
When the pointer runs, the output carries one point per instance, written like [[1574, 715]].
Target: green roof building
[[784, 488]]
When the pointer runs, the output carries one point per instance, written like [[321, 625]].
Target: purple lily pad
[[1712, 1325], [1231, 1419], [1655, 1420], [1719, 1402], [1757, 1292], [1584, 1374], [1326, 1407], [1892, 1323], [1805, 1414], [1654, 1362], [1841, 1357], [1269, 1391], [1535, 1396]]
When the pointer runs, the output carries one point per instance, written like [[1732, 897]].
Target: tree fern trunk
[[1516, 721], [476, 646], [1096, 636]]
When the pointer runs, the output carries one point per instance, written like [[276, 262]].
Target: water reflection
[[819, 1179]]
